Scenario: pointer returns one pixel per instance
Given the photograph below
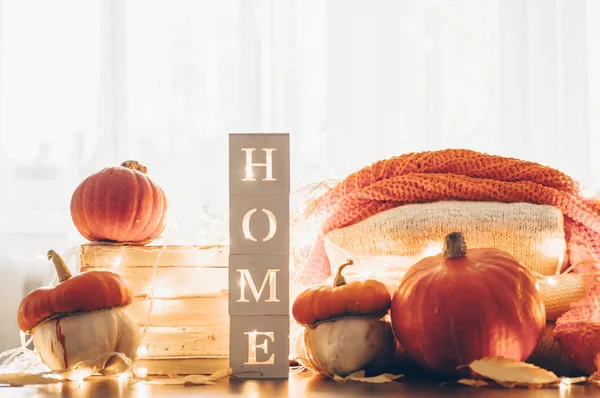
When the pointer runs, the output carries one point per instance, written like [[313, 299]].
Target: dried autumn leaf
[[509, 373], [205, 380], [176, 381], [220, 374], [195, 380], [360, 376], [28, 379], [574, 380], [474, 383]]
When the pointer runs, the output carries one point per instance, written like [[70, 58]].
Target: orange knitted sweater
[[455, 174]]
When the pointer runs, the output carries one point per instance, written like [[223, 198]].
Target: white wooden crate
[[188, 331]]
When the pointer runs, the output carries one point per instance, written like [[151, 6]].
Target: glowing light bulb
[[142, 373], [118, 259], [79, 374], [432, 249], [551, 281], [142, 351], [79, 382]]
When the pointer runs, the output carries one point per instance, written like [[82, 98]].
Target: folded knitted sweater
[[455, 174], [397, 238]]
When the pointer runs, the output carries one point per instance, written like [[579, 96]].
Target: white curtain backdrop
[[88, 84]]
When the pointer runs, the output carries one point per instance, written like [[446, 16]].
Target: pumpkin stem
[[339, 278], [455, 245], [134, 165], [61, 268]]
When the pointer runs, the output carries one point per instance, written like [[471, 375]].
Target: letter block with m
[[260, 284]]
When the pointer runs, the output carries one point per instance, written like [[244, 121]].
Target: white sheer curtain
[[353, 82], [84, 85]]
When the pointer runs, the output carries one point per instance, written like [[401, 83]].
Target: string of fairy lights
[[23, 359]]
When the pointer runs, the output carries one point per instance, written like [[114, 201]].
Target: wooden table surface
[[297, 386]]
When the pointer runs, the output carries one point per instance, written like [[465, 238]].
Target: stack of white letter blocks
[[259, 197]]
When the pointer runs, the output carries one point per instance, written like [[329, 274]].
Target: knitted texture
[[399, 237], [560, 291], [386, 244], [548, 355], [454, 174], [578, 331]]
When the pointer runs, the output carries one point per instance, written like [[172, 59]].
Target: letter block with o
[[259, 224]]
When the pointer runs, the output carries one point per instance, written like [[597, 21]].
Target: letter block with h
[[259, 199]]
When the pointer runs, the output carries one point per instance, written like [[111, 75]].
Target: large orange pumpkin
[[119, 204], [466, 304]]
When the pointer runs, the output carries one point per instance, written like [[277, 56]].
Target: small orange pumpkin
[[364, 297], [85, 292], [119, 204], [81, 319], [345, 331]]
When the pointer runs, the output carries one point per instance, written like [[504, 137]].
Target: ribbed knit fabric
[[399, 237], [550, 356], [578, 331], [455, 174], [558, 293]]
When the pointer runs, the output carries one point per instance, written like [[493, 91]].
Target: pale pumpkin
[[81, 320], [344, 330], [346, 345]]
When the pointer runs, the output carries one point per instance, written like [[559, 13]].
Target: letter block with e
[[259, 346], [259, 284]]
